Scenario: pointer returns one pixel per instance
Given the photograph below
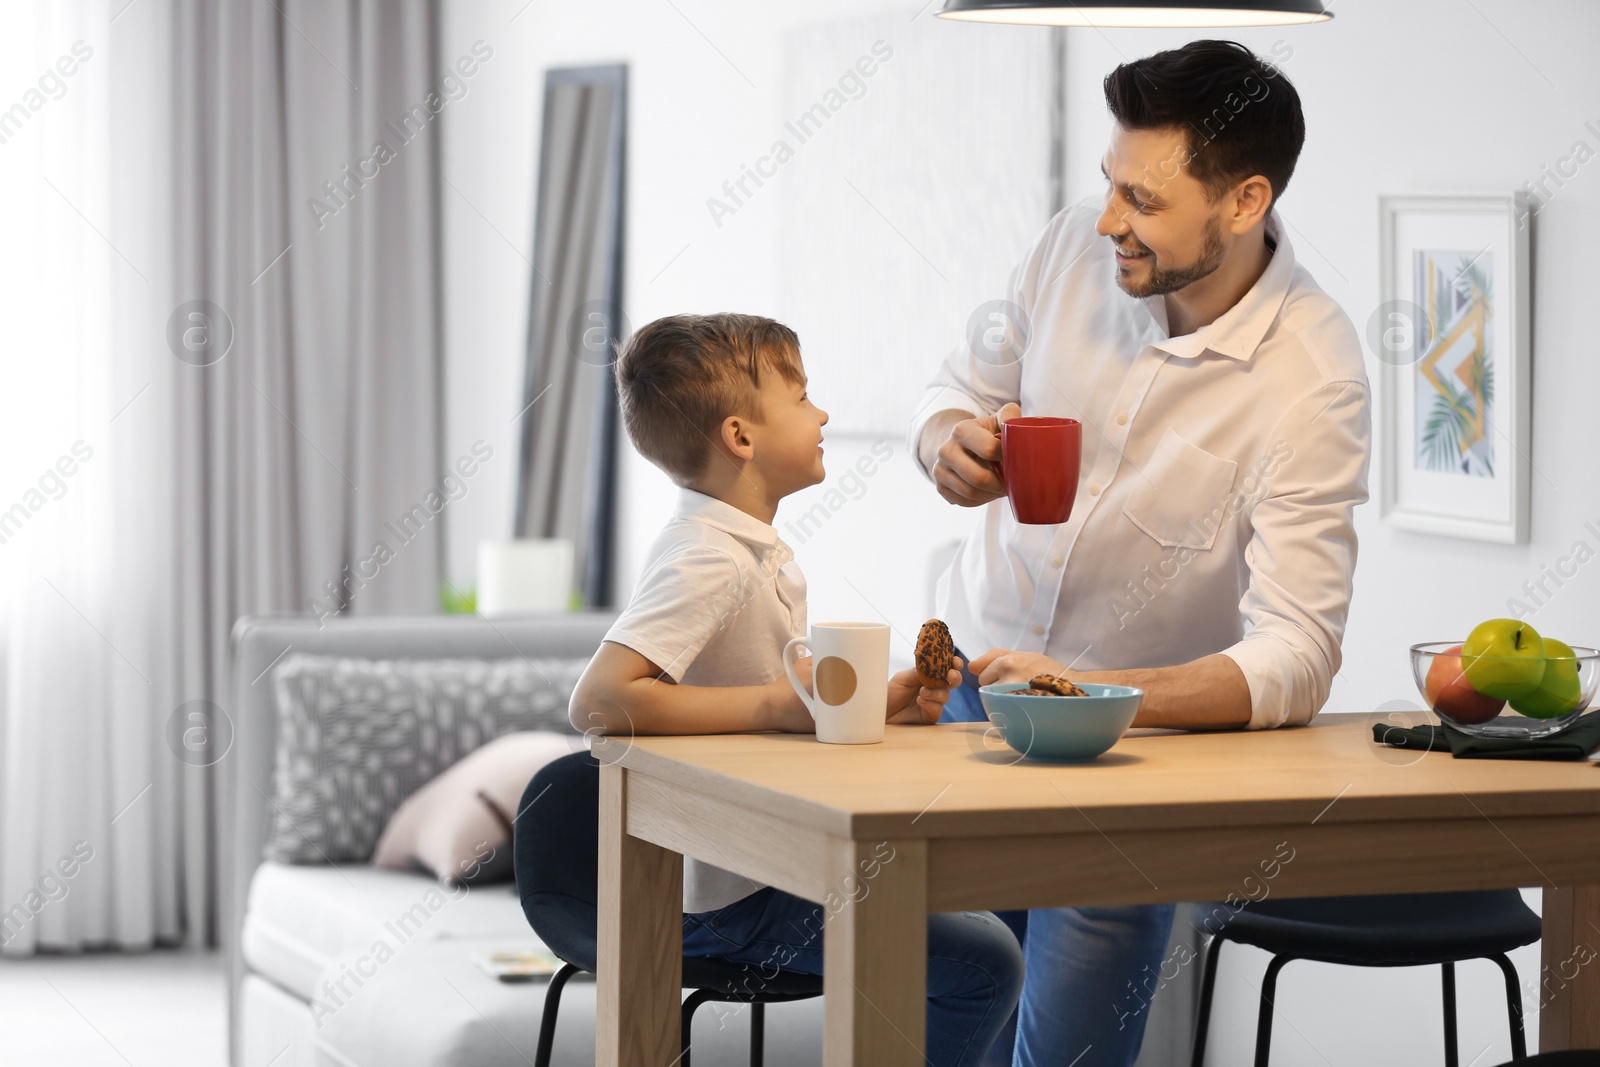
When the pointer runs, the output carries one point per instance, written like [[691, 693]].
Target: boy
[[719, 403]]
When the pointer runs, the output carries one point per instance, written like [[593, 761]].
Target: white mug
[[850, 670]]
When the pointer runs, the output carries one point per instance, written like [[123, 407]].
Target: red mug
[[1039, 459]]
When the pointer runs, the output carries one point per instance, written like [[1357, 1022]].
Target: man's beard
[[1164, 280]]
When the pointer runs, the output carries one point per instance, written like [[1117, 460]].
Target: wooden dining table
[[947, 818]]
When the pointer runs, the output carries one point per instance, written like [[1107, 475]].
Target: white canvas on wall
[[909, 196]]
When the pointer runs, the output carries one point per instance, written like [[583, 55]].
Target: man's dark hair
[[1239, 113]]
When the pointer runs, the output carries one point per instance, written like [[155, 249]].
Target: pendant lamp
[[1185, 14]]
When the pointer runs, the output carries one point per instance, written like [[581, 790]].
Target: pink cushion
[[448, 829]]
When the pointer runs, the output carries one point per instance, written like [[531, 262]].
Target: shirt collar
[[1237, 332], [720, 515]]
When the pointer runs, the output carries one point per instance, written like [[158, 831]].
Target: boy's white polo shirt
[[719, 597]]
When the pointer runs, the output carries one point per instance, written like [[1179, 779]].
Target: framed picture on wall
[[1451, 336]]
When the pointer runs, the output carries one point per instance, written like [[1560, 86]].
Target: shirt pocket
[[1182, 500]]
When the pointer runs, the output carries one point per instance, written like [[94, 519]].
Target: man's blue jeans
[[974, 963], [1085, 1001]]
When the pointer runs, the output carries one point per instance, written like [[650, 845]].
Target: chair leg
[[758, 1034], [1208, 985], [1452, 1055], [1519, 1041], [691, 1003], [552, 1008], [1269, 987]]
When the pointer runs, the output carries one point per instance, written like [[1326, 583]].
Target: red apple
[[1450, 694]]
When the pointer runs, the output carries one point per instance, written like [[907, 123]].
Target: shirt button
[[1037, 629], [1122, 418], [1094, 488], [1056, 561]]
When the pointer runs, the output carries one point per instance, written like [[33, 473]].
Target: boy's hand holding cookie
[[938, 671], [912, 701]]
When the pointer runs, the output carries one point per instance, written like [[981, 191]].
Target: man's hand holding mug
[[964, 467], [1033, 461]]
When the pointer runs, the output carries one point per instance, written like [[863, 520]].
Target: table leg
[[640, 979], [1569, 983], [875, 962]]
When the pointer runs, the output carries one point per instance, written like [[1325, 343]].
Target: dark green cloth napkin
[[1575, 742]]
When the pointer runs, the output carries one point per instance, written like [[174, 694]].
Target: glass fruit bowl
[[1506, 696]]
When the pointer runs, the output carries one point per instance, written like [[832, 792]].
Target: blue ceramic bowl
[[1061, 729]]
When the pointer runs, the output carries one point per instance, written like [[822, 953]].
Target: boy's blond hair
[[680, 376]]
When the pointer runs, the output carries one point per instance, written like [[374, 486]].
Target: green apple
[[1503, 658], [1558, 691]]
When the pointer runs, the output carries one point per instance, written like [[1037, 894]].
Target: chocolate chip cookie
[[1055, 685], [935, 654]]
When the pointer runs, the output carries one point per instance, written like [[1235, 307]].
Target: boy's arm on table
[[622, 692]]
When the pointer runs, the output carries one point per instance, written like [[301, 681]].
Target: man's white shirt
[[1219, 473]]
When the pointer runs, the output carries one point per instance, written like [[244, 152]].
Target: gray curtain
[[566, 485], [306, 208], [299, 448], [249, 352]]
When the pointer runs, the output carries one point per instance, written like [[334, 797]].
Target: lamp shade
[[1174, 13]]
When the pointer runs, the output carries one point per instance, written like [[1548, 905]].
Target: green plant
[[1447, 426], [1475, 276], [458, 602], [1480, 375]]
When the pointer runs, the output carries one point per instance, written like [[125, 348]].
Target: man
[[1226, 438]]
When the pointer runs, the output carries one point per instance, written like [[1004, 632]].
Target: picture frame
[[1452, 339]]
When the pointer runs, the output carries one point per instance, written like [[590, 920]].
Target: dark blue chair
[[1395, 930], [556, 850]]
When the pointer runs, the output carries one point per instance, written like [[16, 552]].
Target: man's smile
[[1129, 256]]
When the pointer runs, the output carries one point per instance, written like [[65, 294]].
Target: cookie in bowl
[[1054, 685], [1052, 728]]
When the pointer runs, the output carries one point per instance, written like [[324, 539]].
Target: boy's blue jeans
[[974, 964], [1086, 998]]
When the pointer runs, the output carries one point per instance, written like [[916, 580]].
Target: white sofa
[[288, 930], [290, 934]]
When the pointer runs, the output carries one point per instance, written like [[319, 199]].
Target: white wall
[[694, 120], [1426, 95]]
